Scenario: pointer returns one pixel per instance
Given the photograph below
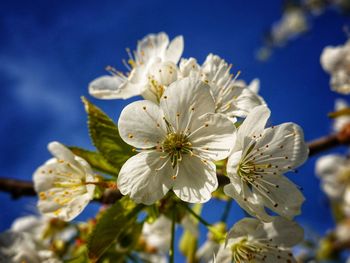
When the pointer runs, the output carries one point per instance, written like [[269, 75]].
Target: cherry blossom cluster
[[193, 118]]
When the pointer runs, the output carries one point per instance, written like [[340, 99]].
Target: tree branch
[[20, 188], [325, 143]]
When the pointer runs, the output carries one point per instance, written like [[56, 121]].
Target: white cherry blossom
[[232, 98], [43, 229], [293, 23], [257, 164], [158, 234], [152, 67], [17, 247], [178, 141], [252, 241], [65, 184], [336, 61], [341, 121], [334, 171]]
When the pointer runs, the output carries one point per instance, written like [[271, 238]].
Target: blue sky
[[51, 50]]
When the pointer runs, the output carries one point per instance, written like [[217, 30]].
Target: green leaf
[[111, 226], [96, 160], [80, 256], [105, 136], [189, 242]]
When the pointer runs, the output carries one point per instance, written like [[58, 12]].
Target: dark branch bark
[[325, 143], [19, 188]]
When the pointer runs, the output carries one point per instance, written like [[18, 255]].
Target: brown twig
[[325, 143], [20, 188]]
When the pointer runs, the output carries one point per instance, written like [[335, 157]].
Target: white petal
[[254, 124], [232, 163], [175, 49], [224, 255], [187, 66], [283, 232], [254, 85], [241, 100], [158, 234], [141, 124], [329, 165], [248, 200], [112, 87], [67, 212], [285, 200], [152, 45], [216, 140], [340, 121], [278, 256], [140, 179], [33, 225], [185, 101], [196, 180], [244, 227], [61, 152], [330, 57], [283, 147]]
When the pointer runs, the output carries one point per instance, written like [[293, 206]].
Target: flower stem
[[199, 218], [226, 211], [172, 244]]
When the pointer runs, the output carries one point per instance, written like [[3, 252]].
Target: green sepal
[[96, 160]]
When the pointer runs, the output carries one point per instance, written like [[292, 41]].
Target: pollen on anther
[[206, 125], [42, 195]]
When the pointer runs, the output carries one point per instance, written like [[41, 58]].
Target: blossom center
[[176, 144], [244, 251]]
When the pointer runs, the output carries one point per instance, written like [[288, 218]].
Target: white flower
[[340, 121], [157, 237], [43, 229], [293, 23], [258, 161], [65, 184], [153, 67], [158, 234], [334, 171], [33, 225], [178, 142], [16, 247], [342, 231], [232, 98], [250, 240], [336, 61]]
